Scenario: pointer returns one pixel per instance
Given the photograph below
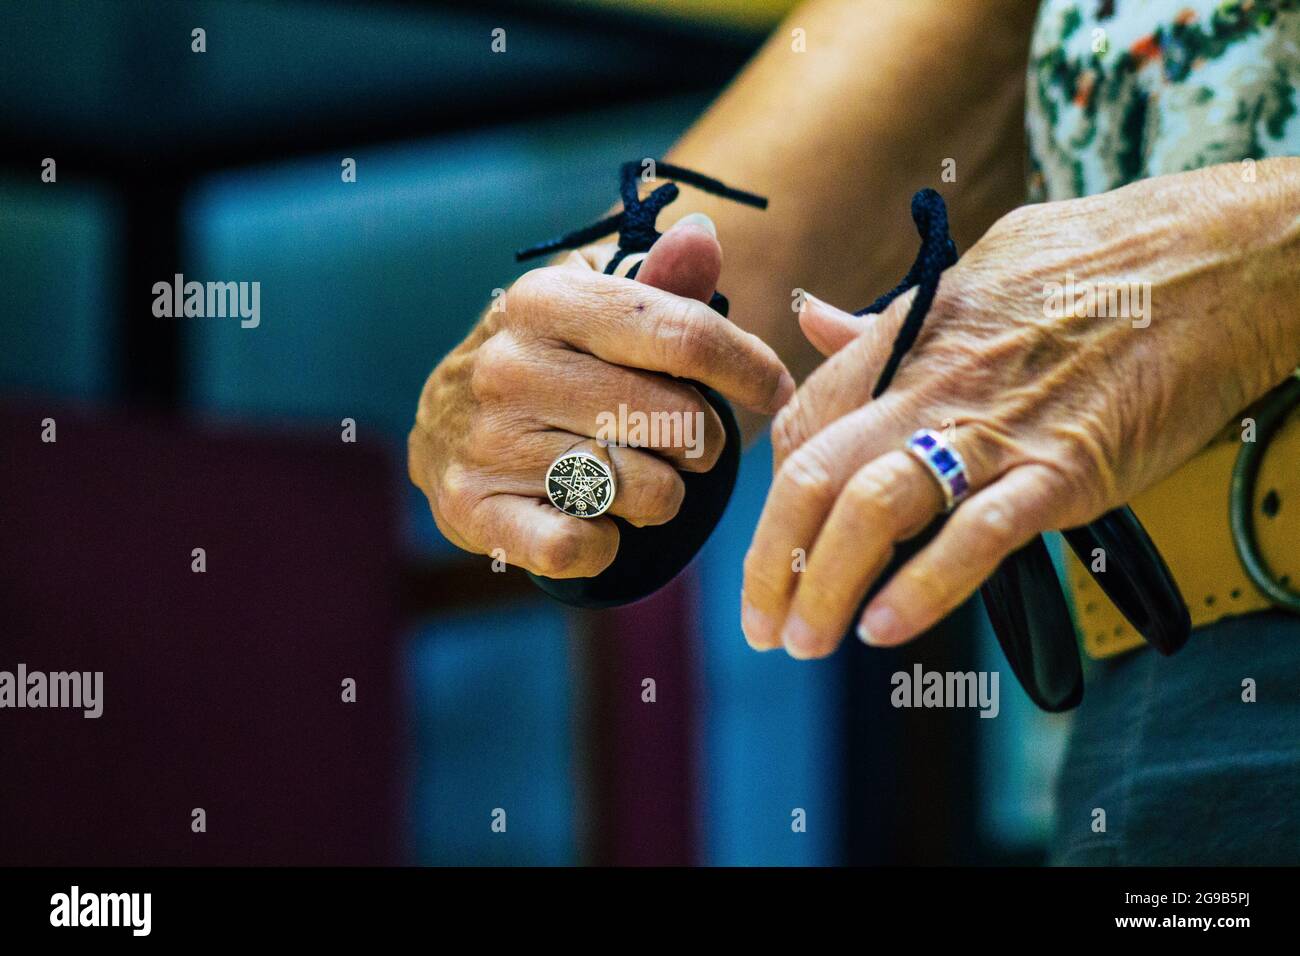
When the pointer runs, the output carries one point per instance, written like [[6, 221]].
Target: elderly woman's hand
[[533, 378], [1059, 412]]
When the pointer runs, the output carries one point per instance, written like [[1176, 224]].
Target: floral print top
[[1119, 90]]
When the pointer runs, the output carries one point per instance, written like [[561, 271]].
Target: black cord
[[635, 224], [937, 253]]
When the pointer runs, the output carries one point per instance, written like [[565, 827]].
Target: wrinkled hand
[[531, 381], [1059, 418]]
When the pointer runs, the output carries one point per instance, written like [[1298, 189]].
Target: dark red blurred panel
[[222, 689], [646, 769]]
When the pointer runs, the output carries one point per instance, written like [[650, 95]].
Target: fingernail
[[698, 219], [815, 302], [756, 625], [799, 639], [785, 390], [812, 301], [879, 627]]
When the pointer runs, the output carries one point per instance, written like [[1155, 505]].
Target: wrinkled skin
[[532, 379], [1058, 419]]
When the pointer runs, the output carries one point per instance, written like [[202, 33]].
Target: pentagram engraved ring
[[580, 484]]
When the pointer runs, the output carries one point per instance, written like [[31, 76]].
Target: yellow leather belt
[[1187, 518]]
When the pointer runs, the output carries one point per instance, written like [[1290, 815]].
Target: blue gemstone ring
[[944, 462]]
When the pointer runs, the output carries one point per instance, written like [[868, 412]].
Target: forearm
[[841, 135], [1220, 249], [1260, 224]]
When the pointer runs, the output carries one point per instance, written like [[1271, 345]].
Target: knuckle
[[455, 494], [868, 498], [576, 549], [803, 474], [824, 591], [1074, 493], [1080, 456], [925, 578], [528, 290], [765, 581], [559, 551], [787, 430], [995, 526], [497, 367], [485, 439], [659, 496], [684, 333]]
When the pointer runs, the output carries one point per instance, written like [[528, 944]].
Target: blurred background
[[473, 692]]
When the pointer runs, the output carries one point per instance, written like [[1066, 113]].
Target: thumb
[[686, 260], [830, 329]]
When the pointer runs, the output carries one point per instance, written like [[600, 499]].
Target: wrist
[[1260, 219]]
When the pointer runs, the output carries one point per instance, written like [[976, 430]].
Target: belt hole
[[1090, 607], [1119, 630], [1209, 600], [1271, 503], [1235, 593]]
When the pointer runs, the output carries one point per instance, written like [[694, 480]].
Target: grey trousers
[[1185, 770]]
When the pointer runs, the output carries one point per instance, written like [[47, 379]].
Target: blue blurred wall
[[58, 262], [771, 725]]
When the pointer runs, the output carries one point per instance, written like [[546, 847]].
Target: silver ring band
[[944, 462]]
